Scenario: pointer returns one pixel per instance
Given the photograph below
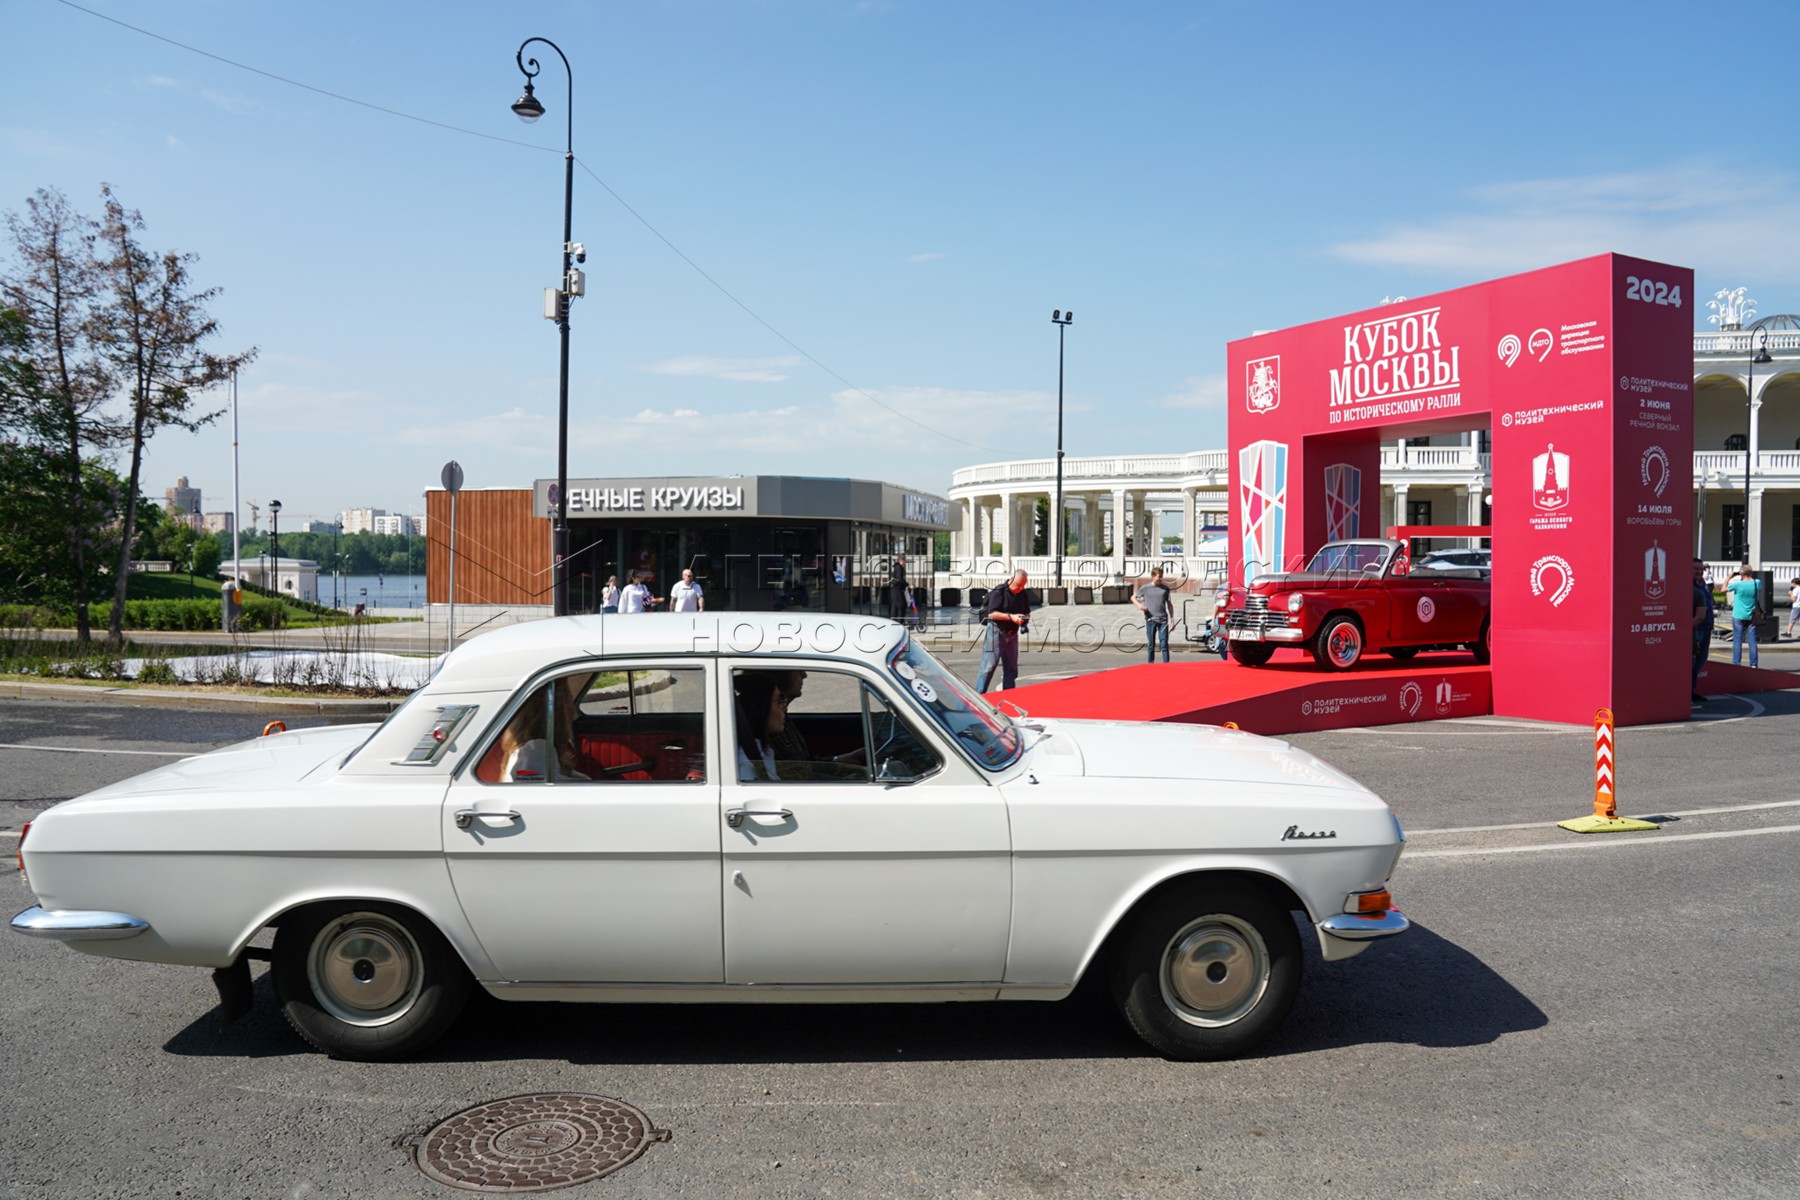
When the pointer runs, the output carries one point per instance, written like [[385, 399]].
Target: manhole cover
[[534, 1143]]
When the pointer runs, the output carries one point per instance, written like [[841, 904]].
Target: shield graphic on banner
[[1550, 480]]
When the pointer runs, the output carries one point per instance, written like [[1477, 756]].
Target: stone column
[[1399, 505], [1119, 527]]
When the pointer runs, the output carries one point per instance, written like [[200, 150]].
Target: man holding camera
[[1007, 615]]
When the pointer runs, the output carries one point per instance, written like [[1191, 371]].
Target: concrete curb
[[211, 701]]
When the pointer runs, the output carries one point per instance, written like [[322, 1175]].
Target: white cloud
[[1720, 221], [175, 143], [738, 370], [1198, 391], [928, 256]]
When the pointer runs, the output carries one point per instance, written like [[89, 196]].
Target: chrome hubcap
[[1215, 971], [365, 969], [1344, 645]]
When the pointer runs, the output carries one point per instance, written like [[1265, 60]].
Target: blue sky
[[825, 236]]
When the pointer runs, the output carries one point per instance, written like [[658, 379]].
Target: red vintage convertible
[[1355, 597]]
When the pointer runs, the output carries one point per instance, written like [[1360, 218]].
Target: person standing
[[1745, 592], [1007, 615], [1153, 601], [636, 598], [1703, 627], [687, 596], [897, 589], [1793, 604], [609, 595]]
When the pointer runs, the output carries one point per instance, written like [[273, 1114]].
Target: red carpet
[[1723, 679], [1292, 695]]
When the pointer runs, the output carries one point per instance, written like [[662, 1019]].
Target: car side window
[[521, 753], [602, 727], [641, 725], [794, 726]]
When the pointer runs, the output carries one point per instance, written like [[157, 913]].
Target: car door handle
[[465, 817], [734, 817]]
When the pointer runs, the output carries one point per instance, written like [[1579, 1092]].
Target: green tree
[[54, 390], [152, 330]]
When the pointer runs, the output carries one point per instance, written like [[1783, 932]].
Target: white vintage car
[[719, 808]]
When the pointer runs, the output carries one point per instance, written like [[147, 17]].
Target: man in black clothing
[[1007, 615], [1703, 627], [897, 605]]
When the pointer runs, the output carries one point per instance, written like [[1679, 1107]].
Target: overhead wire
[[620, 200]]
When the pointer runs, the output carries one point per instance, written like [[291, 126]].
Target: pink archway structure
[[1584, 375]]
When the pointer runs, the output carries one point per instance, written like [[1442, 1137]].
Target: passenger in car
[[762, 715]]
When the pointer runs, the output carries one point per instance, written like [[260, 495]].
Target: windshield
[[985, 732], [1351, 558]]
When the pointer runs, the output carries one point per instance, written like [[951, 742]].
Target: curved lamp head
[[1762, 349], [527, 106]]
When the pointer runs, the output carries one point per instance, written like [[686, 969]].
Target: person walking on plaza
[[897, 589], [1793, 604], [636, 598], [1153, 601], [1703, 627], [1745, 591], [609, 597], [1007, 615], [687, 596]]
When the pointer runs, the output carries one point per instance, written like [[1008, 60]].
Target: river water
[[375, 591]]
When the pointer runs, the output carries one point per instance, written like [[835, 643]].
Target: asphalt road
[[1610, 1016]]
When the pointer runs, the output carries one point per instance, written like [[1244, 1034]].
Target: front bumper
[[78, 925], [1286, 633]]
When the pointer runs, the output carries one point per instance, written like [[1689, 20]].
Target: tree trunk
[[115, 626]]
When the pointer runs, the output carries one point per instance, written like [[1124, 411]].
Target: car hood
[[1167, 750], [278, 758]]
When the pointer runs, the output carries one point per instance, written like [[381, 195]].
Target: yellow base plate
[[1598, 824]]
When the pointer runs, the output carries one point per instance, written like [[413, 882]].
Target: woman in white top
[[636, 598], [609, 596]]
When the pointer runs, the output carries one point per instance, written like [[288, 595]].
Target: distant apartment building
[[216, 522], [183, 502], [320, 527], [380, 520], [360, 520]]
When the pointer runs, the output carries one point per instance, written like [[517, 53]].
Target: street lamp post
[[556, 307], [274, 545], [1061, 320], [1760, 356]]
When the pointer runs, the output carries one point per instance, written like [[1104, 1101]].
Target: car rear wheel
[[370, 982], [1338, 646], [1252, 654], [1208, 971], [1483, 653]]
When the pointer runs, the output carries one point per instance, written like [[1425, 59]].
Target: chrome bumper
[[78, 925], [1280, 634], [1355, 928]]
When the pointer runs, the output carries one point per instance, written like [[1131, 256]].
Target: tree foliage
[[103, 344]]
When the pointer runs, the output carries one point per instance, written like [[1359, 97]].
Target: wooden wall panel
[[502, 551]]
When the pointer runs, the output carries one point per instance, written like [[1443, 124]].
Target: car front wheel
[[1251, 654], [1339, 644], [1208, 971], [370, 982]]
